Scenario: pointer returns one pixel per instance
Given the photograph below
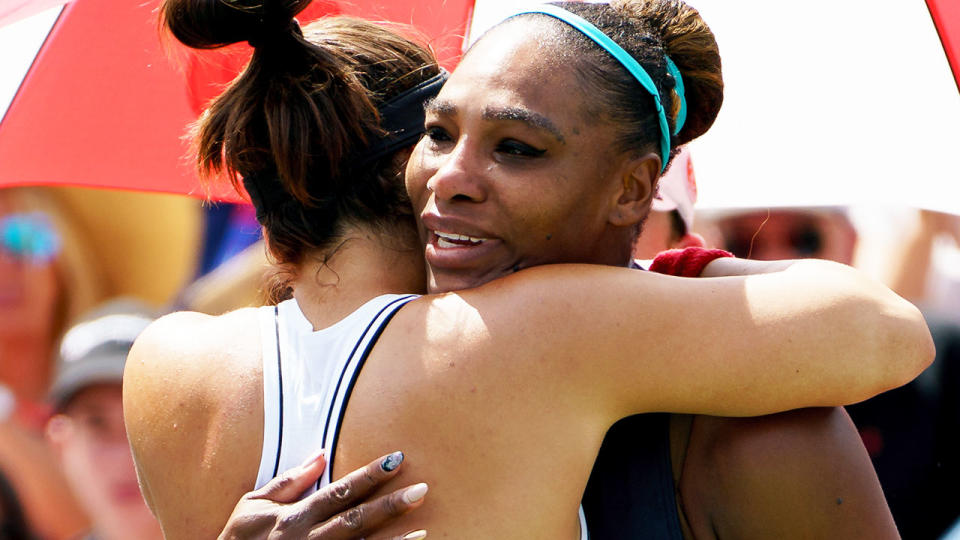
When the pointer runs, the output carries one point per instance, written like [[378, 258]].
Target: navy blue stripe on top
[[276, 320], [346, 366]]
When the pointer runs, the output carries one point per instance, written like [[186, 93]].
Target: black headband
[[401, 117]]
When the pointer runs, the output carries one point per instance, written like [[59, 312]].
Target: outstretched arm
[[779, 336]]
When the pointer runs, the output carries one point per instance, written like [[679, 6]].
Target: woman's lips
[[447, 240], [455, 251]]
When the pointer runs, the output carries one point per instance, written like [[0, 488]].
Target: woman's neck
[[364, 264]]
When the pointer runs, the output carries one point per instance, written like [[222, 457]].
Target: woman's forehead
[[520, 36], [511, 69]]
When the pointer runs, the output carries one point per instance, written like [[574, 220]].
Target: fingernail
[[414, 493], [312, 459], [391, 462], [415, 535]]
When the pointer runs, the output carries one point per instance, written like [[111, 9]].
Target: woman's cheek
[[419, 168]]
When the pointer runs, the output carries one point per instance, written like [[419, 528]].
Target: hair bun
[[692, 47], [210, 24], [271, 32]]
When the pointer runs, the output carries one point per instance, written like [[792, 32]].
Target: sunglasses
[[803, 240], [29, 237]]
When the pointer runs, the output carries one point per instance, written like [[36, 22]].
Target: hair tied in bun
[[272, 30]]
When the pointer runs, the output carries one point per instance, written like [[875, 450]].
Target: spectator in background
[[912, 433], [819, 233], [48, 508], [47, 278], [925, 270], [87, 431]]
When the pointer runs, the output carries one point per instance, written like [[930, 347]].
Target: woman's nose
[[459, 177]]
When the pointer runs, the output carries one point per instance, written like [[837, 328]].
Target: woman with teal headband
[[500, 394], [634, 68], [602, 77]]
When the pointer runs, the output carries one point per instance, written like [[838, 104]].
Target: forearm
[[732, 266], [811, 334], [884, 331], [875, 339], [876, 324]]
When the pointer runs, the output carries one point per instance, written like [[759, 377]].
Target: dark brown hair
[[648, 30], [296, 122]]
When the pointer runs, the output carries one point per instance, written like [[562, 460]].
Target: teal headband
[[634, 67], [682, 113]]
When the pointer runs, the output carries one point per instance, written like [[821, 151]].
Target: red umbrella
[[102, 104], [946, 15]]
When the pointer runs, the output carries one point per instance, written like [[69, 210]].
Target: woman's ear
[[632, 200]]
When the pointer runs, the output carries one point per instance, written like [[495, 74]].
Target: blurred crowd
[[83, 271]]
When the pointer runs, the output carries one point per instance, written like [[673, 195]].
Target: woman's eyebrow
[[520, 114], [442, 107], [439, 107]]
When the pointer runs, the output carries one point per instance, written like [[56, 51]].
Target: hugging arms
[[475, 384]]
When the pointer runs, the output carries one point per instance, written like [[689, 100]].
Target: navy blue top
[[630, 493]]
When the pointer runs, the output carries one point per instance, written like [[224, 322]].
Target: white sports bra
[[307, 379]]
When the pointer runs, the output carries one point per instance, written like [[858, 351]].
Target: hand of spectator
[[339, 511]]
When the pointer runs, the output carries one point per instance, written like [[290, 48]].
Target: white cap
[[677, 188], [95, 350]]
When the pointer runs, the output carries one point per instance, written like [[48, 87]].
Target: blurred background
[[838, 139]]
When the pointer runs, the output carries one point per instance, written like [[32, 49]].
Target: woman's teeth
[[450, 240]]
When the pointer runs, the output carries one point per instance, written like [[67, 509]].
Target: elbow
[[906, 347]]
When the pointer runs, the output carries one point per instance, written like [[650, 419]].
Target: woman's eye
[[519, 149], [438, 134]]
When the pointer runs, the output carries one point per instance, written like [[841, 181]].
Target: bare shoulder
[[178, 331], [196, 357], [193, 403], [802, 473]]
